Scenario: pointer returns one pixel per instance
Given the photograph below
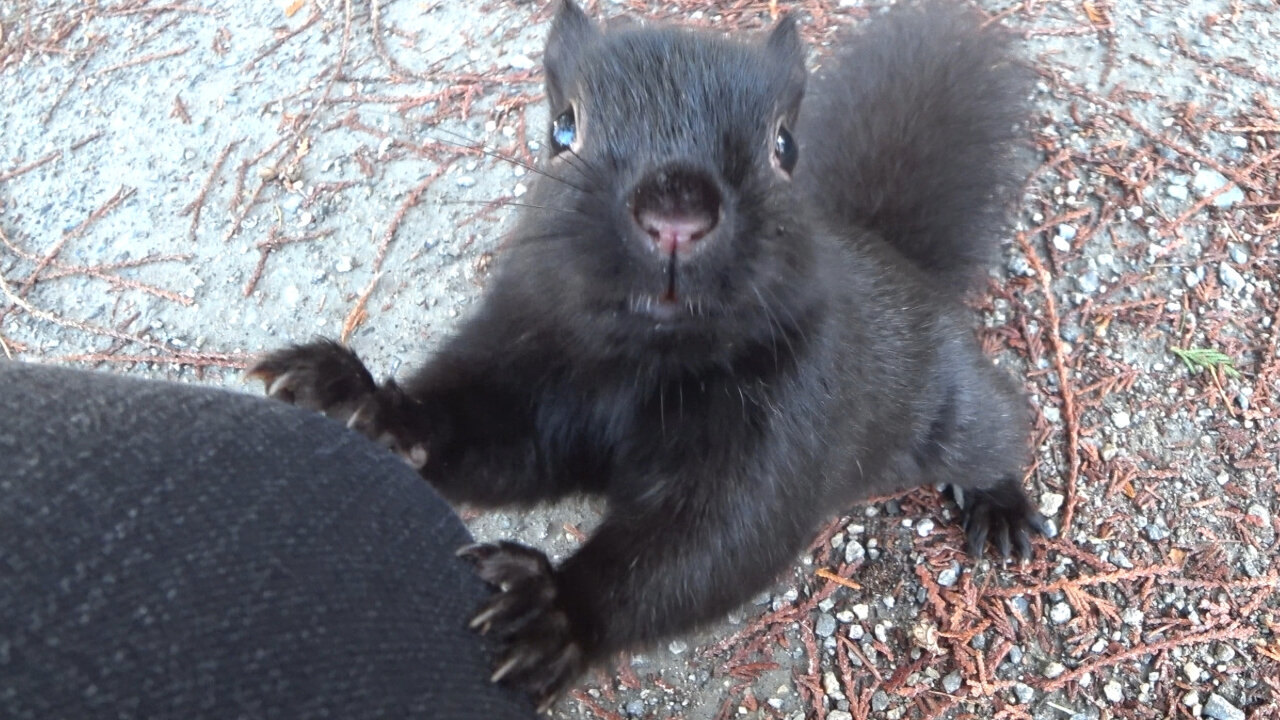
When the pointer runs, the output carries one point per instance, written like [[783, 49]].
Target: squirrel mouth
[[670, 304], [669, 297]]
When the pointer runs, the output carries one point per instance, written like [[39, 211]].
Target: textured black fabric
[[169, 551]]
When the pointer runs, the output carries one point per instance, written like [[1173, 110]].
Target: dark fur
[[816, 355]]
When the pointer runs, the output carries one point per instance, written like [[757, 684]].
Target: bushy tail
[[909, 131]]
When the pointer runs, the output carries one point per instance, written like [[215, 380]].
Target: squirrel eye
[[785, 151], [564, 129]]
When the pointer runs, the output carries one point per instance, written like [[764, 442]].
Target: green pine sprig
[[1206, 359]]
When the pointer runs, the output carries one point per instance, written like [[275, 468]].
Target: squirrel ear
[[571, 32], [784, 39], [787, 51]]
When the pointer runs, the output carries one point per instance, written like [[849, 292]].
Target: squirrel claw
[[1002, 514]]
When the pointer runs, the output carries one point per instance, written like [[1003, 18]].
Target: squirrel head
[[665, 221]]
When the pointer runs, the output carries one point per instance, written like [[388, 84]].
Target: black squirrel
[[730, 312]]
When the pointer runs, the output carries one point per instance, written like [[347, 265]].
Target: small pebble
[[1054, 669], [1050, 503], [1218, 708], [839, 715], [344, 264], [678, 646], [1260, 511], [854, 552], [1208, 181], [949, 576], [1120, 419], [1024, 693], [826, 625], [1131, 616], [1088, 282], [1113, 691], [924, 527], [1051, 414], [880, 701], [465, 181], [520, 62], [951, 683], [1156, 532], [1177, 192], [635, 708], [1060, 613], [861, 611], [831, 685], [1018, 265], [1231, 278], [1224, 653]]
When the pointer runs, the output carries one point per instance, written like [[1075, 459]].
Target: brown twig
[[112, 203], [1071, 425], [274, 242], [163, 54], [180, 110], [379, 47], [1142, 649], [1063, 583], [61, 270], [157, 9], [195, 206], [75, 324], [358, 314], [124, 193], [235, 361], [414, 196], [75, 75], [283, 38], [826, 574], [11, 174]]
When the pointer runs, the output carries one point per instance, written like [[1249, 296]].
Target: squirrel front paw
[[329, 378], [1001, 513], [544, 653]]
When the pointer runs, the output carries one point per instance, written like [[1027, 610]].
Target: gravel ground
[[185, 185]]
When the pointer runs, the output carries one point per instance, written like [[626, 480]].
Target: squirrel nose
[[676, 207]]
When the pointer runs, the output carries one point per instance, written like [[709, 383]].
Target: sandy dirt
[[183, 185]]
